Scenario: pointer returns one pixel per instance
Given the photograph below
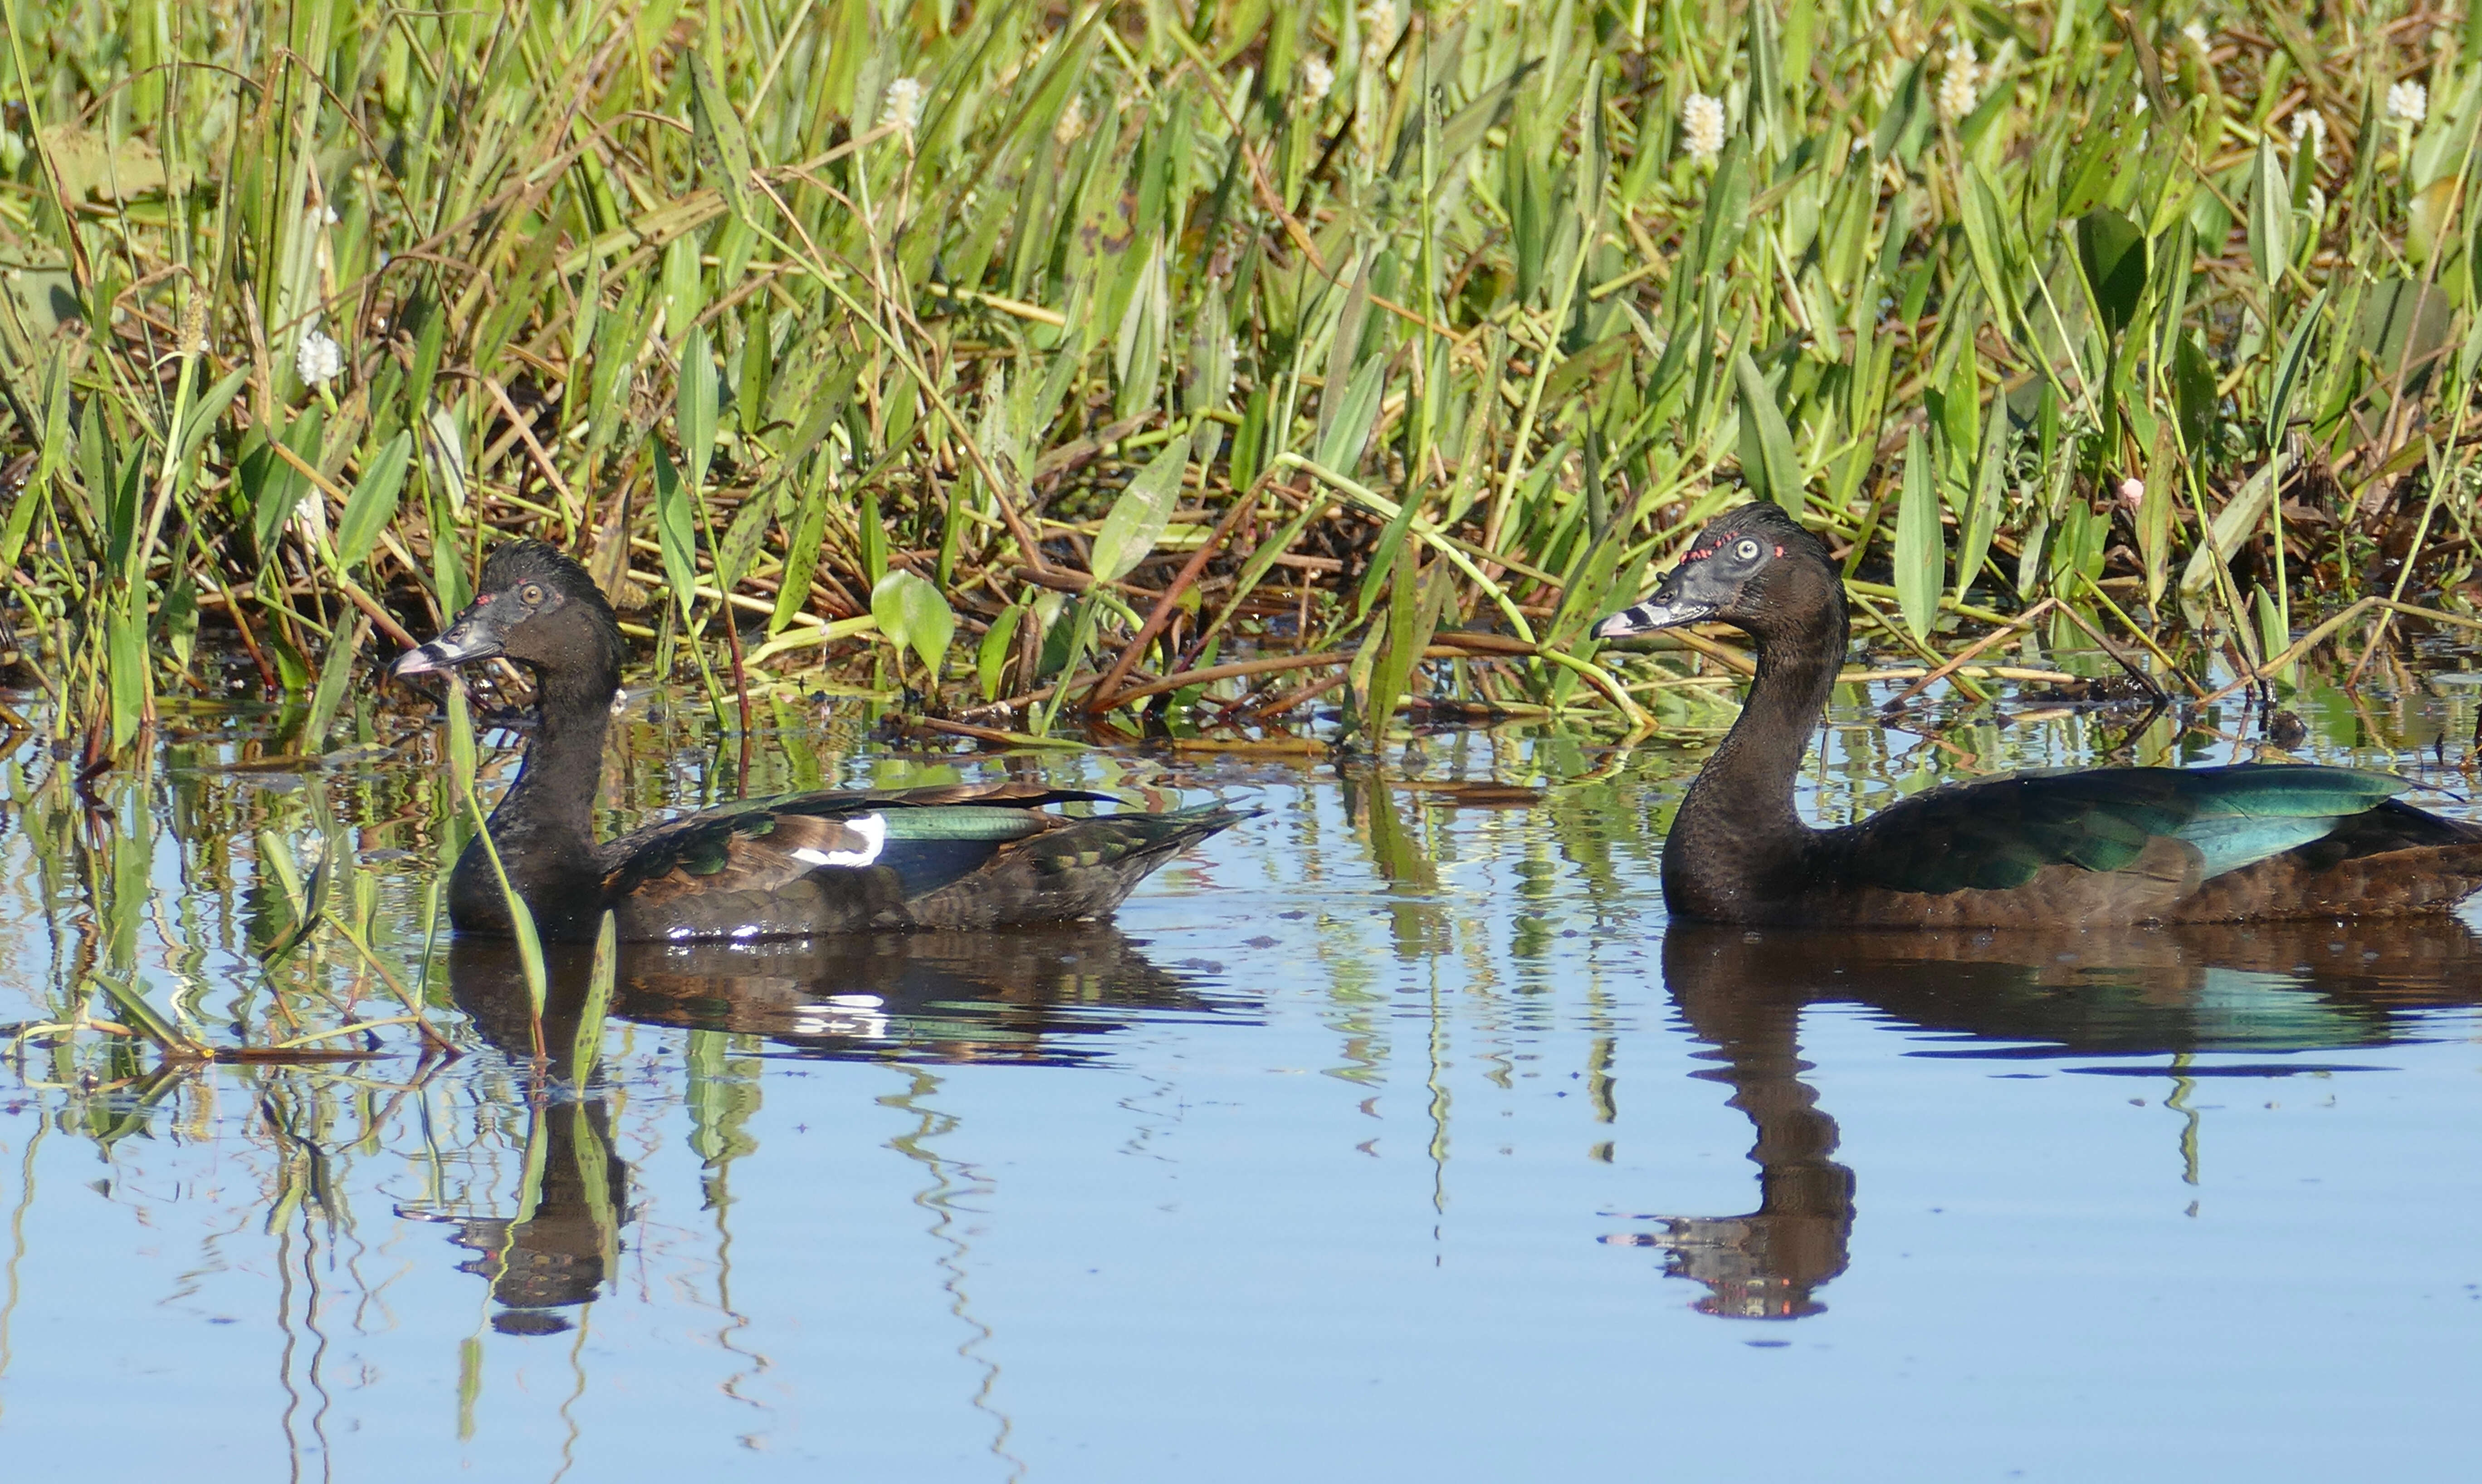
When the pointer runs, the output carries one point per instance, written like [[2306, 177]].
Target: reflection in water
[[558, 1256], [2270, 988], [1029, 997], [1025, 995]]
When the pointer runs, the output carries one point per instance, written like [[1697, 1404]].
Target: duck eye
[[1747, 551], [532, 593]]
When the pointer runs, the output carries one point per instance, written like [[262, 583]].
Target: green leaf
[[2112, 253], [697, 403], [913, 615], [2288, 370], [335, 674], [1137, 518], [1526, 189], [204, 412], [2154, 509], [1209, 384], [2403, 328], [674, 530], [149, 1020], [1979, 206], [1343, 352], [2270, 217], [588, 1048], [685, 283], [2194, 394], [1145, 326], [2274, 635], [372, 505], [1341, 448], [1982, 507], [280, 485], [1921, 558], [800, 558], [1905, 118], [2233, 524], [990, 658], [1727, 211], [1767, 459], [131, 682], [722, 144]]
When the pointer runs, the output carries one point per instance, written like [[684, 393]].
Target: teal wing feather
[[1997, 834]]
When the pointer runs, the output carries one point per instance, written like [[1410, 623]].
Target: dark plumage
[[2103, 847], [961, 856]]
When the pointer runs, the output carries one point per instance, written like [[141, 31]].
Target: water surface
[[1385, 1137]]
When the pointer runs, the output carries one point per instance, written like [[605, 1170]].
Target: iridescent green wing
[[1996, 836]]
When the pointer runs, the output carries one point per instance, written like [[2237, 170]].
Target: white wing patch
[[873, 830]]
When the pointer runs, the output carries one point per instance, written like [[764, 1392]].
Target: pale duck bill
[[464, 643], [1648, 617]]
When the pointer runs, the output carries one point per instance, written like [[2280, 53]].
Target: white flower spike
[[902, 106], [319, 358], [1701, 127], [2309, 131], [1318, 79], [2410, 101], [1960, 85]]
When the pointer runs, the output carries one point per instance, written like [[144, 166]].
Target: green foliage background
[[1397, 338]]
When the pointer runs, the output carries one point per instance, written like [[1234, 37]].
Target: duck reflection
[[1037, 996], [1028, 996], [558, 1256], [2268, 988]]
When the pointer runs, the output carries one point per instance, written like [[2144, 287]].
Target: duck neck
[[544, 827], [1738, 831]]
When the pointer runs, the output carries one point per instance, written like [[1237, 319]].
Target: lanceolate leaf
[[992, 656], [131, 682], [1346, 438], [1982, 506], [1979, 206], [2270, 217], [1137, 518], [1767, 459], [373, 502], [722, 144], [1921, 560], [207, 410], [673, 528], [2112, 252], [699, 396]]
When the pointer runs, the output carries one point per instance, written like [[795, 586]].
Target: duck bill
[[462, 645], [1647, 618]]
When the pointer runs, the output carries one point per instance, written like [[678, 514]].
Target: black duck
[[961, 856], [2108, 846]]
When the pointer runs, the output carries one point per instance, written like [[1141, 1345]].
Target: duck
[[960, 856], [2103, 847]]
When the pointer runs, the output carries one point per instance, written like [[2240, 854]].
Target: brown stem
[[1236, 670], [1106, 692]]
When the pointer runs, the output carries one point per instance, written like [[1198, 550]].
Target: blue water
[[1382, 1139]]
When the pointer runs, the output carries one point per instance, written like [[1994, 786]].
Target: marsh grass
[[1052, 363], [1062, 371]]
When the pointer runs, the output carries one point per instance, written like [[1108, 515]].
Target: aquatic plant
[[1090, 364]]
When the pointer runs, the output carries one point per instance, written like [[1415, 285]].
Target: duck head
[[535, 607], [1752, 568]]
